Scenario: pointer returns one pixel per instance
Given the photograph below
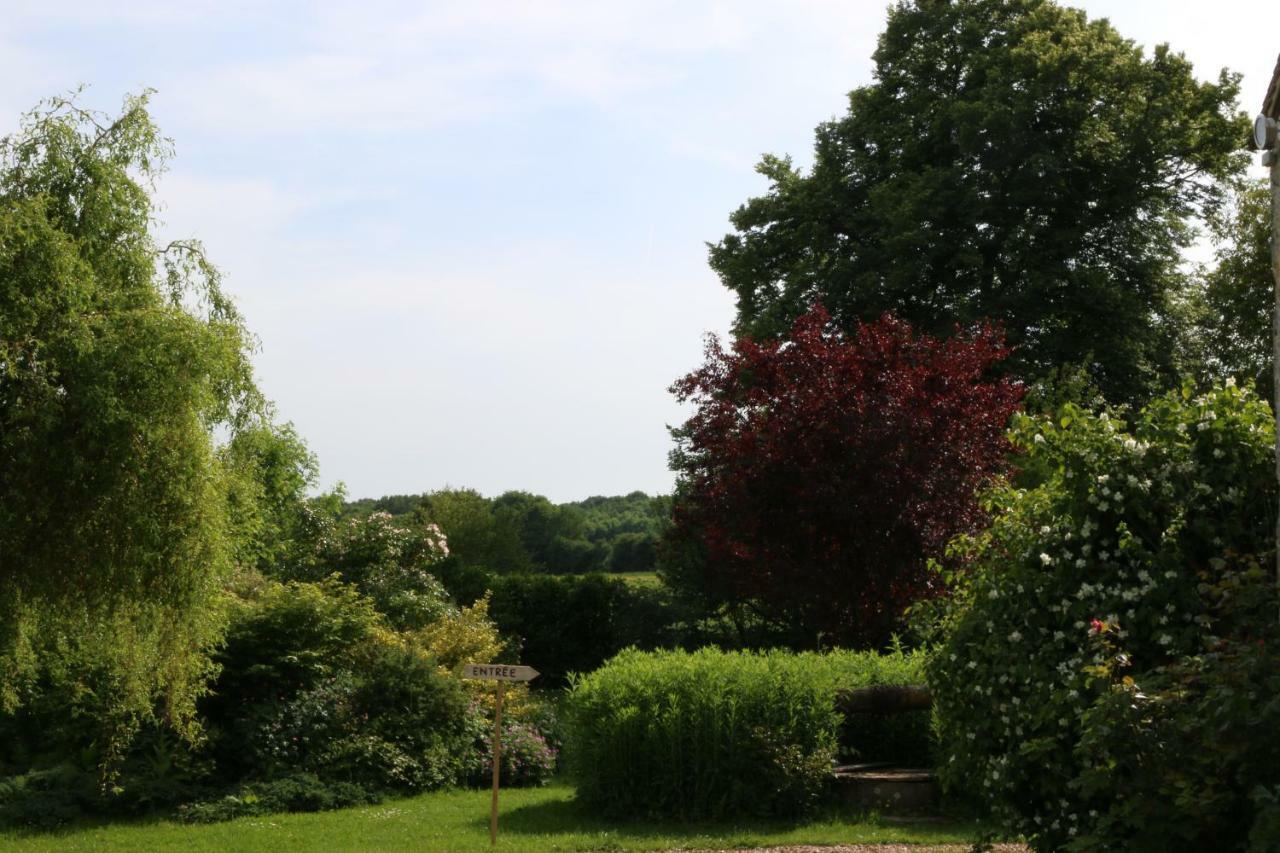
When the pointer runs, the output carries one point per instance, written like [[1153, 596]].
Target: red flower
[[1097, 626]]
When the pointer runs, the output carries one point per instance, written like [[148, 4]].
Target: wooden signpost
[[501, 673]]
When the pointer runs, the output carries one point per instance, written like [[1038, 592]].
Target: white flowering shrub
[[1185, 753], [1091, 579], [392, 561]]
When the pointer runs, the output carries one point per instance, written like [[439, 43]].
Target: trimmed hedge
[[710, 733], [574, 623]]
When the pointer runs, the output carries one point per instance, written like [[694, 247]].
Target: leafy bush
[[391, 561], [48, 798], [299, 731], [403, 700], [393, 722], [710, 733], [467, 635], [282, 640], [283, 637], [1089, 687], [464, 635], [313, 681], [1187, 752], [67, 719], [545, 717], [298, 792], [527, 759], [159, 771]]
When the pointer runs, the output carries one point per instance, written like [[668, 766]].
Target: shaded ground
[[876, 848]]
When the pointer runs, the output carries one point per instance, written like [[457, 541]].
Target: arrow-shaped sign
[[499, 672]]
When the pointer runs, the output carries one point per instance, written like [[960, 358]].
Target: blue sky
[[471, 236]]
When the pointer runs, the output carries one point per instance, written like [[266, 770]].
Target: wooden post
[[497, 766], [501, 673]]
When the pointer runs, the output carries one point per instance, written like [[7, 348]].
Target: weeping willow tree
[[119, 359]]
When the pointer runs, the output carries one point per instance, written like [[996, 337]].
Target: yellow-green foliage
[[698, 734], [468, 635], [118, 357], [299, 627]]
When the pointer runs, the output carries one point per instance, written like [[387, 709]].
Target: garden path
[[878, 848]]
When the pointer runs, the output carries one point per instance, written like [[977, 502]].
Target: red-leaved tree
[[820, 471]]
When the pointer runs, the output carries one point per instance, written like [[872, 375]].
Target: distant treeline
[[524, 532]]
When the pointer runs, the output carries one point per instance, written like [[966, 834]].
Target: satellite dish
[[1264, 132]]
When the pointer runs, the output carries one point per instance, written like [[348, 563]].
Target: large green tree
[[1235, 305], [119, 357], [552, 535], [270, 471], [1012, 160], [478, 536]]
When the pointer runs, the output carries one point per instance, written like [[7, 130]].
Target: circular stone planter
[[890, 789]]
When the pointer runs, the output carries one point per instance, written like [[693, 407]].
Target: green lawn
[[639, 578], [532, 819]]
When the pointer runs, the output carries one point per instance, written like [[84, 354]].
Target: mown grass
[[640, 579], [540, 819]]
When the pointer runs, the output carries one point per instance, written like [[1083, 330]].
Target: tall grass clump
[[709, 733]]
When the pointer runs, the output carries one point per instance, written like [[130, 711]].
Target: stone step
[[883, 787]]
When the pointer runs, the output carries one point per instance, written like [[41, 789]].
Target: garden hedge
[[574, 623], [711, 733]]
